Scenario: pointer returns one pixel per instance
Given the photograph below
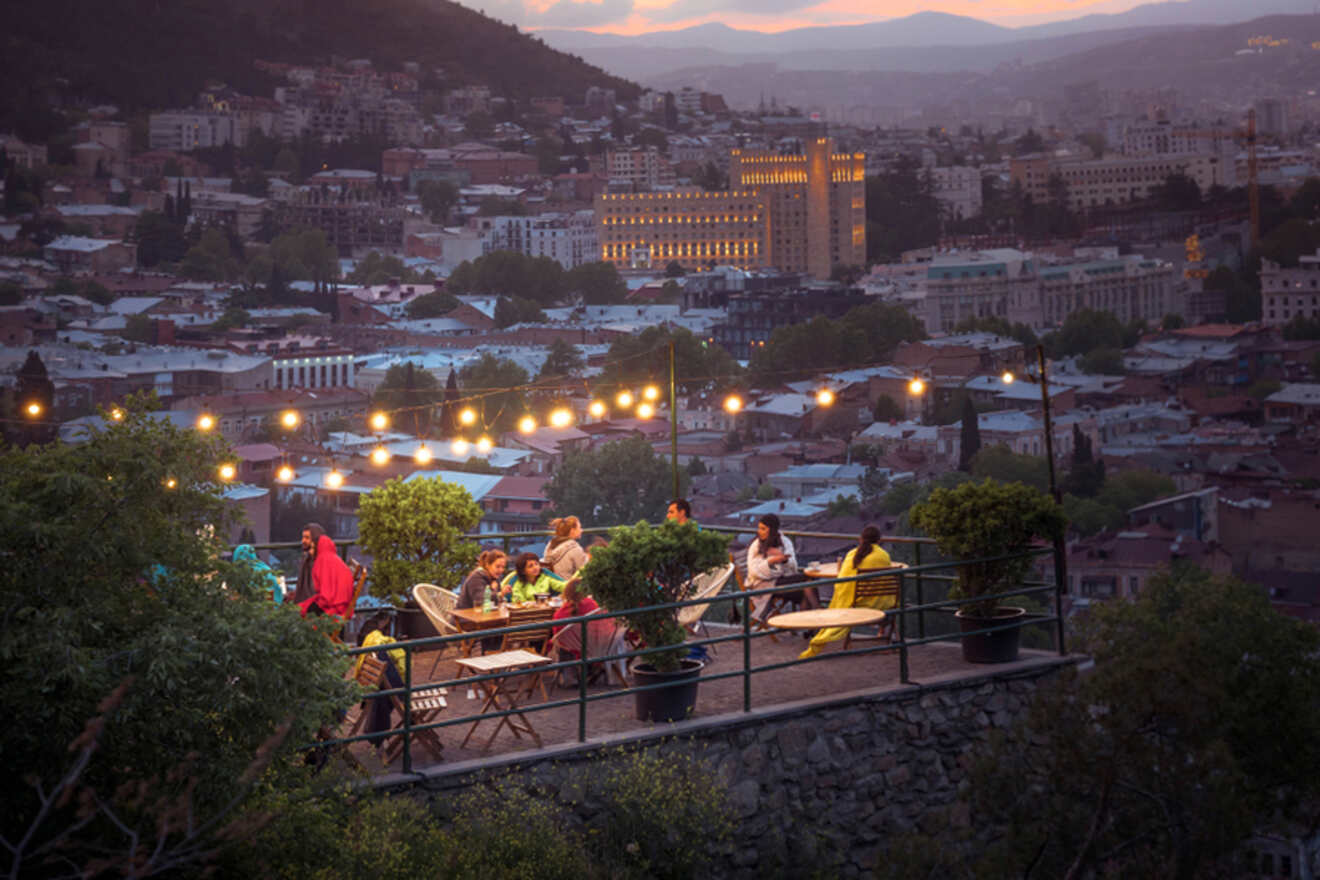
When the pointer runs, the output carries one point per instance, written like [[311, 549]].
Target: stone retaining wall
[[817, 786]]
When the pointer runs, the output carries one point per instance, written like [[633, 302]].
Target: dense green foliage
[[644, 357], [646, 565], [510, 274], [113, 583], [902, 212], [1198, 726], [412, 391], [622, 481], [414, 530], [502, 379], [865, 335], [988, 519], [562, 360]]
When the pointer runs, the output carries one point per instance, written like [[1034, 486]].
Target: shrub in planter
[[648, 565], [415, 531], [988, 519]]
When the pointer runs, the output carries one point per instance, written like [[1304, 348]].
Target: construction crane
[[1247, 135]]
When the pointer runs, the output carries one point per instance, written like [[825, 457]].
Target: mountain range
[[979, 45]]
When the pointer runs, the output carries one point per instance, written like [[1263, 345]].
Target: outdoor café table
[[505, 662], [820, 618], [822, 570], [474, 620]]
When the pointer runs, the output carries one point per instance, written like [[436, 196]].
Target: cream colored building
[[817, 205], [1113, 181], [1290, 293], [692, 227]]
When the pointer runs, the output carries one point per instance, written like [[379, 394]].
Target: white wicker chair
[[436, 603], [707, 584]]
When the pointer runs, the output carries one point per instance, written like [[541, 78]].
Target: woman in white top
[[771, 560]]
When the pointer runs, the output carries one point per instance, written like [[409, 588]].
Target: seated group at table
[[866, 555]]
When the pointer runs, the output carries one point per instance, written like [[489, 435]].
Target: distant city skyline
[[640, 16]]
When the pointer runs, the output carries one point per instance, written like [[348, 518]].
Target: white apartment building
[[958, 189], [183, 131], [1114, 181], [1018, 287], [1162, 137], [1290, 293], [569, 239], [644, 167]]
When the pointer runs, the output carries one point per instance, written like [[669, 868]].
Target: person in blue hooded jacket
[[246, 554]]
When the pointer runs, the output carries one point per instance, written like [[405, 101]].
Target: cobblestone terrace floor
[[833, 673]]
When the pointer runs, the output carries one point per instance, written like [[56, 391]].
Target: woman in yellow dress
[[871, 555]]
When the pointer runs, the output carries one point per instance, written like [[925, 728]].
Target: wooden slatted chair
[[436, 603], [427, 703], [875, 583], [534, 640]]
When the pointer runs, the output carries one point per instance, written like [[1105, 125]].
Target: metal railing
[[916, 611]]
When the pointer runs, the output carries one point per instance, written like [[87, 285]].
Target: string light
[[916, 386], [597, 409], [651, 392], [526, 425], [228, 472], [467, 416], [645, 410], [334, 479], [117, 414], [380, 421], [459, 446], [289, 419], [205, 422], [624, 399], [380, 456], [484, 444], [732, 404], [422, 455], [825, 397], [561, 417], [1008, 377], [33, 409], [285, 474]]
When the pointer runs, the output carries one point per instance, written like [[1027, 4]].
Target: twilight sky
[[637, 16]]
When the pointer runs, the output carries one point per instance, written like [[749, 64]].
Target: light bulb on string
[[33, 409], [624, 399], [334, 479], [733, 403], [116, 414], [467, 416], [228, 472], [285, 474], [380, 456], [916, 386], [597, 409], [205, 422], [1008, 377], [171, 483], [651, 392], [484, 444], [561, 417], [526, 425], [825, 397], [459, 446], [645, 410], [289, 419], [422, 455], [379, 421]]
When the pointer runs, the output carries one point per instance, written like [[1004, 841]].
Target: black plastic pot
[[674, 703], [412, 622], [1000, 646]]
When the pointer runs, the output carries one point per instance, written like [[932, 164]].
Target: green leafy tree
[[1086, 330], [1002, 464], [634, 360], [1173, 321], [108, 556], [508, 273], [994, 324], [596, 283], [865, 335], [501, 383], [233, 317], [620, 482], [1178, 192], [431, 305], [415, 391], [1182, 739], [32, 387], [211, 259], [159, 240], [1241, 299], [971, 435], [902, 212], [139, 328], [561, 361], [376, 268], [415, 531], [1031, 142], [766, 492], [438, 198], [1103, 361], [696, 467], [1302, 327], [511, 310], [1086, 474], [674, 269], [887, 409]]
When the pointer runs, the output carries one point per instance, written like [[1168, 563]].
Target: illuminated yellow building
[[694, 228], [817, 205]]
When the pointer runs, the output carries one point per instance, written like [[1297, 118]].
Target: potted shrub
[[979, 521], [643, 566]]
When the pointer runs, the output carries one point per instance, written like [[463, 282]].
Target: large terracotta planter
[[991, 647], [674, 703]]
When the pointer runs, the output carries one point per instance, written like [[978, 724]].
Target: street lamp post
[[673, 421]]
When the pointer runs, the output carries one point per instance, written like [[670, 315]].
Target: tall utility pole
[[1060, 544], [673, 420]]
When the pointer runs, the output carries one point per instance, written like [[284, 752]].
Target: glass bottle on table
[[488, 603]]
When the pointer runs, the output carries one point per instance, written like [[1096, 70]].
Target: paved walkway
[[832, 672]]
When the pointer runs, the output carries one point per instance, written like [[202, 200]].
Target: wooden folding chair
[[436, 603], [881, 583], [533, 640]]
